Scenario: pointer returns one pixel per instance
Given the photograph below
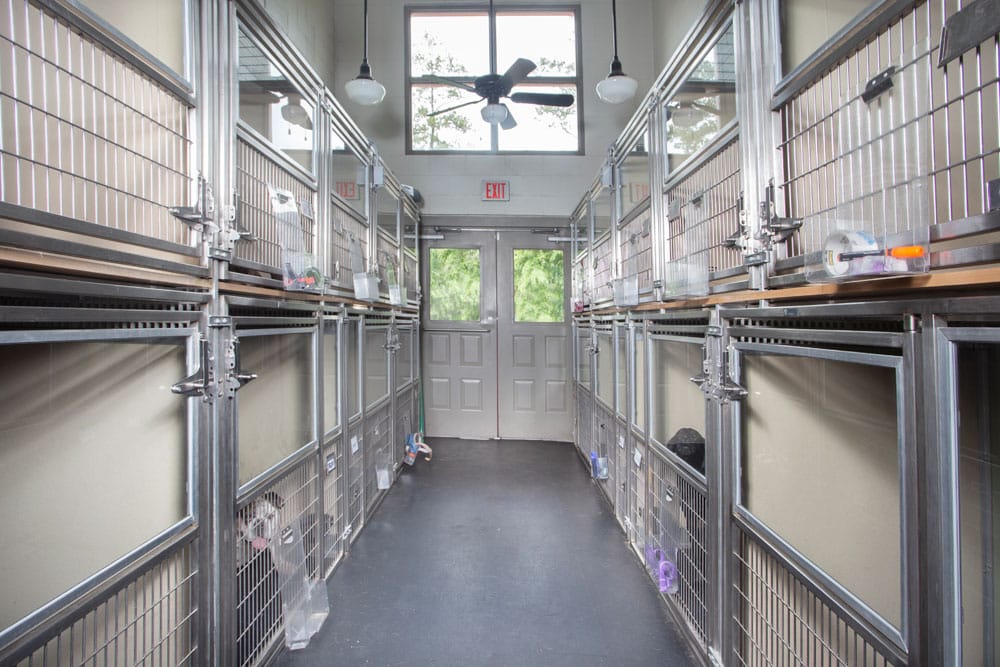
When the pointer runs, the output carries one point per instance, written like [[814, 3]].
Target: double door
[[496, 336]]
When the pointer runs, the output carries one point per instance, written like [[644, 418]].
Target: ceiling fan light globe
[[617, 88], [365, 91], [494, 113]]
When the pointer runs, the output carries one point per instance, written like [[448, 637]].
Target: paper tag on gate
[[354, 444], [331, 462], [637, 457], [621, 442]]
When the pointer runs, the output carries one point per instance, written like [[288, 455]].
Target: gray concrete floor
[[494, 553]]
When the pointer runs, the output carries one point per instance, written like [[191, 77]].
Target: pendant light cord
[[364, 56], [614, 27]]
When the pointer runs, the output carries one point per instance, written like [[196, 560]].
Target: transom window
[[449, 48]]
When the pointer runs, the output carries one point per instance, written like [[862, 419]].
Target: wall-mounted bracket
[[878, 84]]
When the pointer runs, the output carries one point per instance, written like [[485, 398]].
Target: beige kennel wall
[[331, 414], [806, 24], [155, 25], [276, 410], [821, 468], [93, 461], [677, 402]]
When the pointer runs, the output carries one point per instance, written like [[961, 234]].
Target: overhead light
[[363, 89], [617, 86], [294, 113], [494, 113]]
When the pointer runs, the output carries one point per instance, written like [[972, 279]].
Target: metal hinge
[[777, 230], [201, 213], [737, 240], [200, 382], [235, 376]]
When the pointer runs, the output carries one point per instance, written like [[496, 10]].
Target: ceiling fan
[[492, 87]]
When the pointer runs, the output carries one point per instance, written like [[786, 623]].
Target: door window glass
[[539, 292], [454, 288]]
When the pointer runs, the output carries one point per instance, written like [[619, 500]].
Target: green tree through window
[[454, 278], [538, 286]]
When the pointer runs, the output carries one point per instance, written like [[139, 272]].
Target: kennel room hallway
[[493, 553]]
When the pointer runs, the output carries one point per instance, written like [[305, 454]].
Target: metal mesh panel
[[255, 171], [84, 134], [405, 422], [149, 620], [622, 462], [334, 503], [290, 501], [345, 228], [605, 445], [961, 111], [779, 619], [707, 207], [673, 494], [355, 476], [636, 491], [637, 249], [378, 440], [603, 260]]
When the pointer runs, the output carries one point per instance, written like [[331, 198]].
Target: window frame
[[577, 81]]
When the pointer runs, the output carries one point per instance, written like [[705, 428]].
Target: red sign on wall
[[496, 191], [347, 189]]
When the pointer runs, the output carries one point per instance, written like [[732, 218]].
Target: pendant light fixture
[[363, 89], [617, 86]]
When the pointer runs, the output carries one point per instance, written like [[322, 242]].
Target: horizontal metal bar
[[978, 224], [300, 330], [863, 338], [679, 466], [844, 42], [722, 274], [74, 249], [257, 485], [256, 321], [787, 280], [36, 314], [860, 617], [251, 279], [28, 283], [980, 254], [51, 220], [283, 304], [872, 309], [171, 336], [724, 288], [260, 143], [35, 630], [727, 134]]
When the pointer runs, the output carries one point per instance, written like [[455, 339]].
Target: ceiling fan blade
[[548, 99], [508, 123], [451, 82], [517, 72], [457, 106]]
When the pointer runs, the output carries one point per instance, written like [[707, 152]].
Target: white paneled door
[[496, 338]]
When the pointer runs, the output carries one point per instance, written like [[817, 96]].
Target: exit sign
[[496, 191]]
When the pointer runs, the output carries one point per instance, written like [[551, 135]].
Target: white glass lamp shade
[[494, 113], [616, 88], [365, 91]]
